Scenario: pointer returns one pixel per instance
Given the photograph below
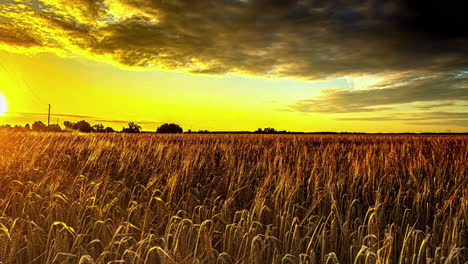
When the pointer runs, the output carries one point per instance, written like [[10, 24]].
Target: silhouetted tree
[[39, 126], [109, 130], [132, 128], [54, 128], [27, 126], [169, 128], [69, 125], [83, 126], [15, 128], [6, 127], [99, 128], [267, 130]]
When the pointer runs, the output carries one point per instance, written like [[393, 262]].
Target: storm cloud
[[303, 39], [421, 45]]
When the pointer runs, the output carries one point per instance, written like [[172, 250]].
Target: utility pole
[[48, 117]]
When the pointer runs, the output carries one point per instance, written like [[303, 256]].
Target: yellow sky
[[78, 88], [233, 65]]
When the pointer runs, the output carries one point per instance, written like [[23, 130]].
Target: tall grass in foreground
[[68, 198]]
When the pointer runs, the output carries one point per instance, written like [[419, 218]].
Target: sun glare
[[3, 105]]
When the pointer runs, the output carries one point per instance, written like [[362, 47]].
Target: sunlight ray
[[3, 104]]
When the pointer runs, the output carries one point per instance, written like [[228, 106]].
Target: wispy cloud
[[90, 119], [431, 118], [403, 88], [141, 122], [447, 123], [437, 105], [54, 115]]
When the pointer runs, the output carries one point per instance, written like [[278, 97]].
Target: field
[[120, 198]]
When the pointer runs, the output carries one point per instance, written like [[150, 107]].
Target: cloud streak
[[438, 118], [53, 115], [127, 121]]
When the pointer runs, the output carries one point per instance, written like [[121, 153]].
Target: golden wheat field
[[148, 198]]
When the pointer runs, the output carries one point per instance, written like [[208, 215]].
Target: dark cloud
[[303, 39], [442, 19], [423, 43], [14, 37]]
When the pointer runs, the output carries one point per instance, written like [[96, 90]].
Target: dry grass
[[68, 198]]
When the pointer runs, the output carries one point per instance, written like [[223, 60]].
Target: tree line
[[85, 127]]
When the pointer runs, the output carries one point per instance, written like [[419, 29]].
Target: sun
[[3, 104]]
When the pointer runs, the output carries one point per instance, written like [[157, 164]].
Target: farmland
[[149, 198]]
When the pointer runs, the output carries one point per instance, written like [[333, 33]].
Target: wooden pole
[[48, 117]]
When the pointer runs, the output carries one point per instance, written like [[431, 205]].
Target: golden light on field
[[3, 104], [301, 65], [232, 198]]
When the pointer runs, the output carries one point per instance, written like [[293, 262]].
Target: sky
[[236, 65]]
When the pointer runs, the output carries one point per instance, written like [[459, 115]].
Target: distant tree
[[132, 128], [6, 127], [267, 130], [69, 125], [109, 130], [169, 128], [27, 126], [99, 128], [54, 128], [83, 126], [39, 126]]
